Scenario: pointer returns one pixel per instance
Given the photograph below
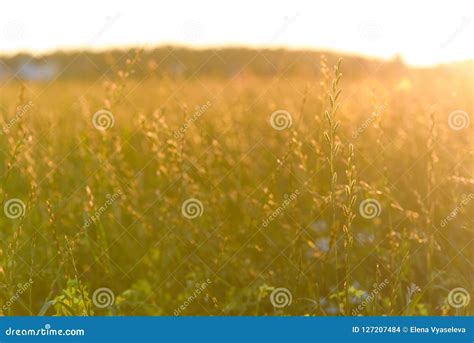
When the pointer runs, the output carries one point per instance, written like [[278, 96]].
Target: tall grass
[[104, 208]]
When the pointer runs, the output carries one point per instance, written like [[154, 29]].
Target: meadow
[[236, 182]]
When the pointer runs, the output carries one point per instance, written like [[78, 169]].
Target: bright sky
[[423, 32]]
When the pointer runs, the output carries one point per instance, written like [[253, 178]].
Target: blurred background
[[417, 34], [236, 158]]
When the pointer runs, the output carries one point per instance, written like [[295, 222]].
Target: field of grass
[[347, 190]]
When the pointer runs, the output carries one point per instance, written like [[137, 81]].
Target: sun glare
[[421, 35]]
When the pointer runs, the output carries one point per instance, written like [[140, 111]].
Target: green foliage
[[280, 208], [73, 301]]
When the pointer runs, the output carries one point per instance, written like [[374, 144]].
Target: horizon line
[[224, 46]]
